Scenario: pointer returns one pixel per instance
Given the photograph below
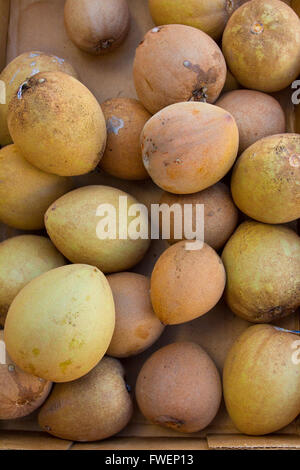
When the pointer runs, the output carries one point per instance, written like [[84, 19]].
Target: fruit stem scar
[[21, 89], [257, 28], [104, 44]]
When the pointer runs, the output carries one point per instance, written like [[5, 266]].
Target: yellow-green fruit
[[26, 192], [210, 16], [60, 325], [295, 4], [262, 264], [265, 182], [79, 222], [17, 71], [261, 380], [261, 44], [22, 259], [57, 124]]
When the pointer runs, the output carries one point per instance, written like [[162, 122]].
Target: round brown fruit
[[125, 119], [179, 387], [97, 27], [176, 63], [188, 147], [257, 115], [186, 284], [261, 44]]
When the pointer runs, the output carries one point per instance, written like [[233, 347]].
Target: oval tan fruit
[[23, 258], [186, 284], [261, 380], [257, 115], [57, 124], [20, 393], [97, 27], [60, 325], [210, 16], [220, 214], [179, 387], [262, 264], [266, 178], [261, 44], [78, 225], [25, 191], [125, 119], [137, 327], [176, 63], [17, 71], [188, 147], [91, 408]]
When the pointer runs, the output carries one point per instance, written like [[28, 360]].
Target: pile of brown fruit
[[208, 129]]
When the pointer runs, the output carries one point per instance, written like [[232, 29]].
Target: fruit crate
[[28, 25]]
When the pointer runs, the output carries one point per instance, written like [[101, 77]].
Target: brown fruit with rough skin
[[91, 408], [176, 63], [125, 119], [57, 124], [23, 258], [266, 178], [257, 115], [186, 284], [179, 387], [97, 27], [261, 44], [137, 327], [220, 214], [188, 147], [17, 71], [262, 264], [20, 393], [261, 380], [25, 191]]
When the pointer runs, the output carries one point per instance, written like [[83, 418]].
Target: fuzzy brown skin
[[92, 408], [188, 147], [186, 284], [97, 27], [176, 63], [25, 191], [266, 177], [137, 327], [179, 387], [57, 124], [261, 44], [257, 115], [262, 264], [125, 119], [220, 213], [261, 382]]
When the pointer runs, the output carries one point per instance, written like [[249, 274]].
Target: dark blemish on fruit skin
[[104, 45], [169, 421], [204, 79]]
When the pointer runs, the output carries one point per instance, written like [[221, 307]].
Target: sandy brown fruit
[[57, 124], [125, 119], [60, 325], [97, 27], [188, 147], [23, 258], [176, 63], [179, 387], [263, 36], [266, 178], [262, 264], [16, 72], [220, 214], [82, 242], [20, 393], [257, 115], [137, 327], [296, 6], [186, 284], [92, 408], [261, 380], [210, 16], [26, 192]]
